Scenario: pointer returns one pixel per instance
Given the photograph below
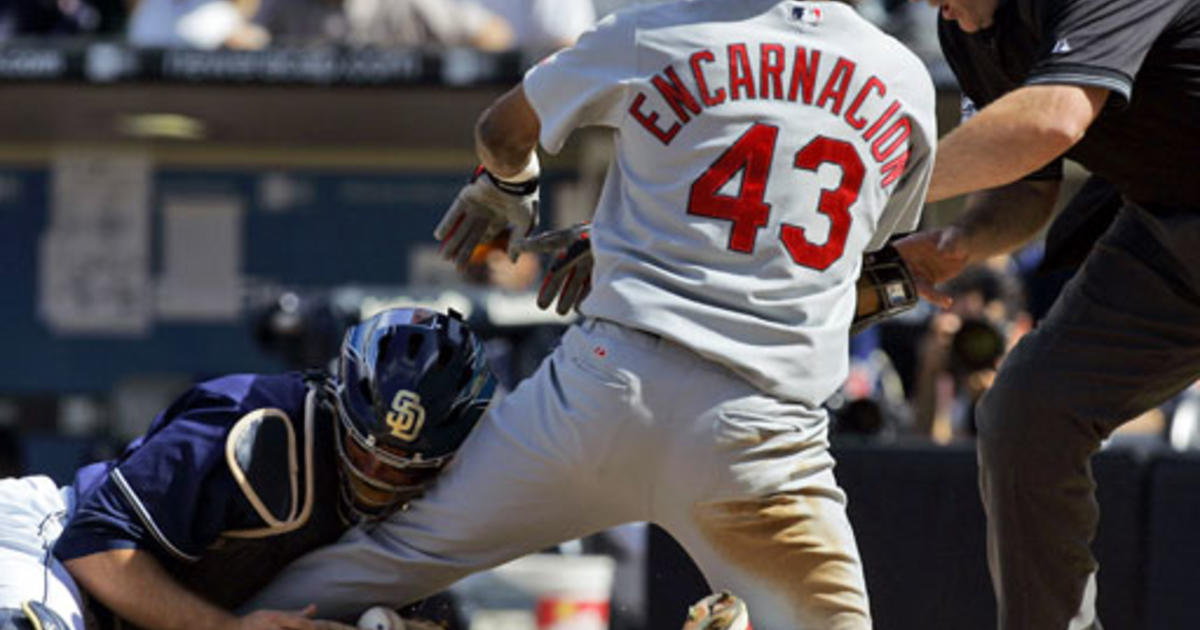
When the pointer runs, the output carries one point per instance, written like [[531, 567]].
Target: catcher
[[237, 477]]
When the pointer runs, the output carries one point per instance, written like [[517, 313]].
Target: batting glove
[[483, 209], [569, 278], [885, 288]]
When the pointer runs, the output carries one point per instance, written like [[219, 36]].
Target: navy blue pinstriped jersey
[[173, 491]]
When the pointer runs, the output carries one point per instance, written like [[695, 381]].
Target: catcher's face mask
[[377, 480], [411, 384]]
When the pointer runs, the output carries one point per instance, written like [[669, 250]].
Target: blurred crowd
[[538, 26], [916, 376], [491, 25]]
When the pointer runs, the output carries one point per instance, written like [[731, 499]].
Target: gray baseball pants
[[619, 426], [1123, 337]]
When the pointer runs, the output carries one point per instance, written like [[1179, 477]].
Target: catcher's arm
[[886, 288], [135, 586]]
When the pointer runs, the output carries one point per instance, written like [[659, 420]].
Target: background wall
[[920, 528]]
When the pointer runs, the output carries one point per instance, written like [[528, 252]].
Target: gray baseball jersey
[[763, 146]]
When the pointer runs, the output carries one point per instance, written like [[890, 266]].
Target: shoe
[[720, 611]]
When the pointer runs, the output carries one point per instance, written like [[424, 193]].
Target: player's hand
[[483, 209], [934, 256], [569, 278], [286, 620]]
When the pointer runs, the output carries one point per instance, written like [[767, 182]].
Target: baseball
[[380, 618]]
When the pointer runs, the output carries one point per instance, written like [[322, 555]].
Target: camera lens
[[977, 345]]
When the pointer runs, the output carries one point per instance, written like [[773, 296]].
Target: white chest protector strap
[[261, 451]]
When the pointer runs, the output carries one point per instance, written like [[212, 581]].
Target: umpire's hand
[[281, 620], [934, 256]]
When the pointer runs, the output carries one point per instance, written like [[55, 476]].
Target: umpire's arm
[[995, 221], [1013, 137]]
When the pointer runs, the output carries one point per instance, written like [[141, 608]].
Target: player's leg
[[1121, 339], [791, 555], [521, 482], [32, 510], [753, 499]]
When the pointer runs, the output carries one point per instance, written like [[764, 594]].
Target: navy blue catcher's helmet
[[412, 383]]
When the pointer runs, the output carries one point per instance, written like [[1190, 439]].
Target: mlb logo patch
[[808, 16]]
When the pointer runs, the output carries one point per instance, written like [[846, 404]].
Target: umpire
[[1115, 86]]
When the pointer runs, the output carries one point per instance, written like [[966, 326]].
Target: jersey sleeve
[[902, 213], [171, 492], [584, 84], [1099, 43]]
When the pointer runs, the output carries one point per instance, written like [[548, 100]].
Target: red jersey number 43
[[748, 212]]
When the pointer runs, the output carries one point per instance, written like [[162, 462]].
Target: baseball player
[[237, 477], [761, 147]]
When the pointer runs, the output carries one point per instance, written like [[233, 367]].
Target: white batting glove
[[483, 209]]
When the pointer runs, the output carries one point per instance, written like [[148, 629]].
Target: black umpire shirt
[[1146, 141]]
